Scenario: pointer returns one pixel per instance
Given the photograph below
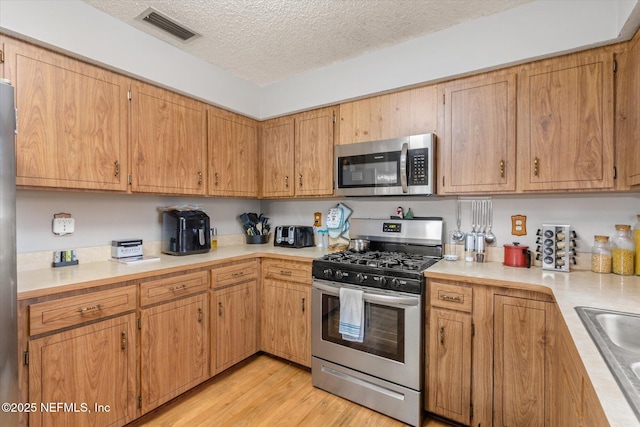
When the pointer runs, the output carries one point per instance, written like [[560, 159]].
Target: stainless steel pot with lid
[[359, 245]]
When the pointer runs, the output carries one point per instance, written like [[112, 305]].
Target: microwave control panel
[[418, 169]]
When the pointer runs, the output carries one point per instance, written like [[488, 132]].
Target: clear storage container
[[601, 255], [636, 238], [623, 252]]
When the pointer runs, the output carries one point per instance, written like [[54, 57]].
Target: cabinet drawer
[[62, 313], [233, 274], [288, 270], [450, 296], [170, 288]]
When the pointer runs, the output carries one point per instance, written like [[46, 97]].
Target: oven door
[[392, 347]]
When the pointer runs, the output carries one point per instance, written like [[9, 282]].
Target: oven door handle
[[371, 297]]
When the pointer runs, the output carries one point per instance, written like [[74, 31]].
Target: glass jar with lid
[[601, 255], [623, 252], [636, 238]]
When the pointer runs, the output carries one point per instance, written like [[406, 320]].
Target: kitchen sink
[[617, 336]]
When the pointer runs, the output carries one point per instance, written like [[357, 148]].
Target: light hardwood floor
[[265, 391]]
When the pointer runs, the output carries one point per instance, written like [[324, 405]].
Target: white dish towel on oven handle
[[351, 314]]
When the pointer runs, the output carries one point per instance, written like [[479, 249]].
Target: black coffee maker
[[185, 232]]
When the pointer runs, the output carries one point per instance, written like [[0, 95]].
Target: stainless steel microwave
[[391, 167]]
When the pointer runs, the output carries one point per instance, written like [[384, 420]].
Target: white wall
[[102, 217], [587, 214]]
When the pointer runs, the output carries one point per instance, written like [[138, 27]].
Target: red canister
[[517, 256]]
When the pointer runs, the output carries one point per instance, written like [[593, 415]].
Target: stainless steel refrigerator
[[8, 281]]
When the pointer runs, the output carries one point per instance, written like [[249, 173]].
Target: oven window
[[383, 328]]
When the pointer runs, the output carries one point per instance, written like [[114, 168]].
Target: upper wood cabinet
[[628, 113], [72, 120], [565, 123], [297, 154], [168, 142], [233, 154], [393, 115], [478, 134]]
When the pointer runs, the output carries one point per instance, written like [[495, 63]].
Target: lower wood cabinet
[[90, 370], [234, 315], [449, 352], [575, 401], [285, 310], [76, 343], [174, 343], [523, 361]]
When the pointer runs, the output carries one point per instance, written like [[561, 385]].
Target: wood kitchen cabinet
[[575, 401], [174, 337], [234, 314], [628, 112], [75, 344], [233, 154], [392, 115], [285, 310], [524, 361], [297, 154], [478, 134], [72, 120], [449, 351], [565, 123], [168, 142]]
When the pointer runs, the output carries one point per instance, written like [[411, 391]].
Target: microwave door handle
[[403, 167]]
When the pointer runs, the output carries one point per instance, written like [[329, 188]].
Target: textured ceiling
[[265, 41]]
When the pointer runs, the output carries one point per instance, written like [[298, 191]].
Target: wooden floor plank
[[265, 392]]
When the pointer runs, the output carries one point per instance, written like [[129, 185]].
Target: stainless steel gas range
[[382, 369]]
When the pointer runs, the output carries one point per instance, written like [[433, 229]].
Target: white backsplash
[[102, 217]]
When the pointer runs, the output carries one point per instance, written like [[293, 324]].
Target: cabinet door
[[628, 112], [478, 134], [449, 379], [72, 121], [174, 349], [393, 115], [233, 154], [277, 157], [235, 334], [286, 321], [523, 357], [565, 124], [314, 153], [90, 369], [169, 143]]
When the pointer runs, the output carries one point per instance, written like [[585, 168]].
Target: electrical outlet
[[62, 226]]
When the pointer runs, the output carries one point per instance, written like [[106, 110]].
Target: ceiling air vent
[[167, 25]]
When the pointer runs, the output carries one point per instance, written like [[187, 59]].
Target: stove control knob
[[327, 273], [339, 275], [395, 282], [360, 277], [383, 281]]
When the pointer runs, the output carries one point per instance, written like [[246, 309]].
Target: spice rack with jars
[[556, 247]]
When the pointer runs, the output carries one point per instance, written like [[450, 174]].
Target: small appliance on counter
[[556, 247], [293, 236], [125, 248], [185, 232]]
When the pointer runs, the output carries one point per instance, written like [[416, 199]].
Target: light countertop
[[577, 288], [40, 282]]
